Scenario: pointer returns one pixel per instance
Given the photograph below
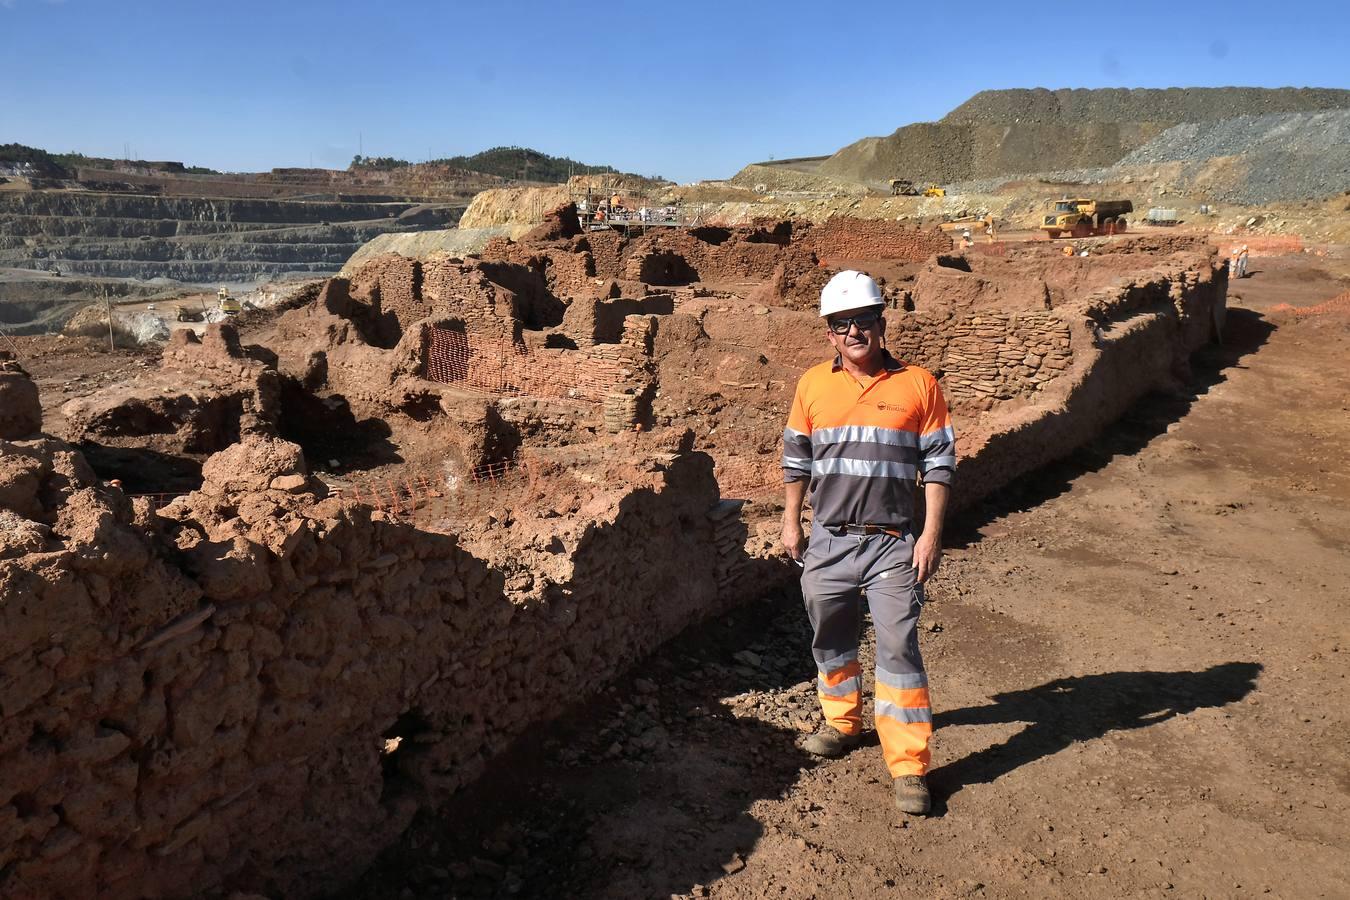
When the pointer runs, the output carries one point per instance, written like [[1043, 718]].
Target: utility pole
[[10, 341], [104, 292]]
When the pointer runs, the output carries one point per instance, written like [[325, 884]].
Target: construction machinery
[[1081, 217], [907, 188], [970, 223], [230, 306]]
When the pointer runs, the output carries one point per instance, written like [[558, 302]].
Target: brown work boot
[[831, 743], [911, 795]]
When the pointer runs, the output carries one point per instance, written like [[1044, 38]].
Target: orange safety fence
[[1270, 245], [1340, 304], [503, 367], [423, 492], [996, 248]]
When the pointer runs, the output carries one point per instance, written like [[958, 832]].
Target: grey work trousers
[[838, 570]]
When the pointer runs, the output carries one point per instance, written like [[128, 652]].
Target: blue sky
[[687, 89]]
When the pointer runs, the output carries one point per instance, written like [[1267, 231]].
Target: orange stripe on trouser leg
[[840, 693], [904, 721]]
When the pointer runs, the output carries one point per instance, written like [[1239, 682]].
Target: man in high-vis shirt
[[863, 430]]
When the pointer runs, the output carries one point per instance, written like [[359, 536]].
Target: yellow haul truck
[[1086, 218]]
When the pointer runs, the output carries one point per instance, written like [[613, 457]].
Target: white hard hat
[[849, 290]]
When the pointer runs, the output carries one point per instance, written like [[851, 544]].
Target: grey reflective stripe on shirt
[[938, 450], [935, 439], [796, 452], [865, 434], [904, 681], [842, 689], [904, 713], [863, 468]]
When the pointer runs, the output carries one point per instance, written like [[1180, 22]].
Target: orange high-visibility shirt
[[864, 447]]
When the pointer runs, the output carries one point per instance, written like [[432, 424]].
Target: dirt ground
[[1139, 667], [68, 367]]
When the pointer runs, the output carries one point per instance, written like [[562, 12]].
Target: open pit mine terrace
[[358, 549], [128, 235]]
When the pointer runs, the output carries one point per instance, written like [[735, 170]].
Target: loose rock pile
[[1247, 160], [996, 134]]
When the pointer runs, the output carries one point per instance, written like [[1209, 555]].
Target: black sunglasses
[[864, 321]]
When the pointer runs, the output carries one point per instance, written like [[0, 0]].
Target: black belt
[[864, 529]]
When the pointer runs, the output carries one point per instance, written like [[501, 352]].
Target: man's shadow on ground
[[1069, 710]]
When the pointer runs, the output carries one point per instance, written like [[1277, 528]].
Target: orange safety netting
[[1340, 304], [503, 367], [1272, 245], [993, 248], [429, 494]]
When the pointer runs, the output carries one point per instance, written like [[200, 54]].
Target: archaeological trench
[[261, 604]]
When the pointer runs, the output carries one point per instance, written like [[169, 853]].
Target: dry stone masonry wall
[[258, 687], [989, 357]]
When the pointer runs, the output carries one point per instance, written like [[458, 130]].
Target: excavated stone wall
[[786, 256], [1021, 348], [256, 688], [871, 239], [1055, 385], [192, 404], [988, 357]]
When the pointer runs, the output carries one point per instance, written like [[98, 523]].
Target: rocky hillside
[[1245, 160], [1286, 156], [1033, 130], [1091, 105]]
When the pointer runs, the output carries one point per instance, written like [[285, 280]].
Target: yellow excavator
[[230, 306]]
